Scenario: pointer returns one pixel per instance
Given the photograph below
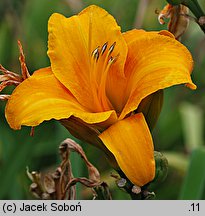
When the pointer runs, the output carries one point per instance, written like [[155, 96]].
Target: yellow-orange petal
[[130, 142], [135, 34], [42, 97], [70, 46], [155, 61]]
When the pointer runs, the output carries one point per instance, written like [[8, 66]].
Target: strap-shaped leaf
[[194, 183]]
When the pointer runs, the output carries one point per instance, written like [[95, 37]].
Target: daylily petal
[[135, 34], [70, 47], [130, 142], [155, 61], [42, 97], [120, 97]]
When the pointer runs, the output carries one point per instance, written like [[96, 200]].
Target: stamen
[[112, 48], [96, 53], [103, 58], [110, 60], [104, 47], [113, 59]]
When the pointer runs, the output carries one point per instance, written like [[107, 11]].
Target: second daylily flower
[[97, 80]]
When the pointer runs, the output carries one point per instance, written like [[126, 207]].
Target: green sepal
[[151, 107], [161, 164]]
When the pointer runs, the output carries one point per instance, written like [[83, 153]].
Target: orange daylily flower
[[98, 77]]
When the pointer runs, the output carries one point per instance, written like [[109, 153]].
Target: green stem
[[195, 8]]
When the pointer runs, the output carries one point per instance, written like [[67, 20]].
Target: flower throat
[[102, 59]]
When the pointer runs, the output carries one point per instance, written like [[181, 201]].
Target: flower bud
[[161, 164]]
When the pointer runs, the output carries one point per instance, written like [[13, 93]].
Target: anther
[[104, 47], [110, 60], [95, 53], [113, 59], [112, 48]]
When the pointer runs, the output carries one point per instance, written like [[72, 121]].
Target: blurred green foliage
[[27, 21]]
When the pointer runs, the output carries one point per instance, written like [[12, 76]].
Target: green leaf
[[15, 162], [194, 183], [177, 160], [192, 120]]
